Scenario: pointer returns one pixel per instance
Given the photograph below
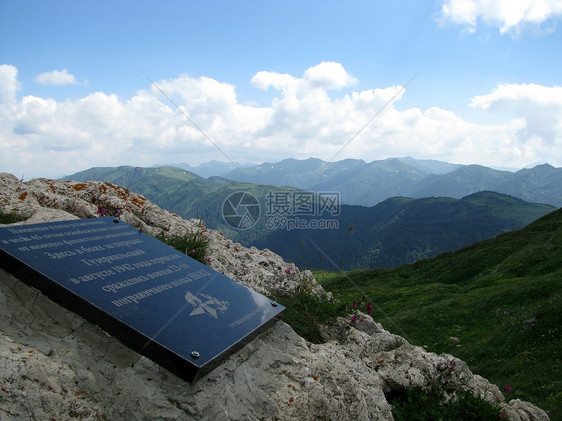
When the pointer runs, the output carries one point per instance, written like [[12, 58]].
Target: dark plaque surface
[[158, 301]]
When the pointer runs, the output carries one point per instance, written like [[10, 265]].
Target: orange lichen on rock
[[123, 193], [138, 201], [79, 186], [22, 196]]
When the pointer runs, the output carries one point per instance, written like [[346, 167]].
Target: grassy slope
[[481, 294]]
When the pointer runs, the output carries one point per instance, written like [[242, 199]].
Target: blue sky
[[267, 80]]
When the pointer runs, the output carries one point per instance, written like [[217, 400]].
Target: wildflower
[[117, 216], [208, 259], [192, 251], [355, 305], [353, 319], [288, 271], [369, 308], [101, 211], [508, 388], [502, 415]]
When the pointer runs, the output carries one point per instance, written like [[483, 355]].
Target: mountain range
[[211, 168], [396, 231], [366, 184]]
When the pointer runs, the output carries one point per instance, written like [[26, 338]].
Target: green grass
[[194, 245], [417, 404], [10, 218], [481, 294], [305, 312]]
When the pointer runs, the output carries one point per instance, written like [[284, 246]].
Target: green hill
[[186, 194], [397, 231], [496, 304], [402, 230]]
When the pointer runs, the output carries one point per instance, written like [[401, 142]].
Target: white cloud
[[539, 106], [508, 15], [328, 75], [264, 80], [511, 94], [49, 138], [9, 84], [56, 77]]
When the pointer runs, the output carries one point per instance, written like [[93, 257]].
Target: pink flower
[[192, 252], [208, 259], [353, 319], [502, 415], [508, 388], [369, 308], [288, 271], [355, 305], [101, 211]]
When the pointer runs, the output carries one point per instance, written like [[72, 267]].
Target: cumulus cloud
[[508, 15], [50, 138], [539, 106], [9, 84], [56, 77], [328, 75]]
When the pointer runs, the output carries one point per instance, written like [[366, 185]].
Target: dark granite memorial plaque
[[163, 304]]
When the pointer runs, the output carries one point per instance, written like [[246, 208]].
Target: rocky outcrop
[[54, 365]]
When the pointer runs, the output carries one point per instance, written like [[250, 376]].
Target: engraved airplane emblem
[[210, 306]]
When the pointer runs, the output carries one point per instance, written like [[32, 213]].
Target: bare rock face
[[55, 365]]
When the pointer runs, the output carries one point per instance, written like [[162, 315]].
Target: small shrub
[[194, 245], [10, 218], [305, 312], [431, 404]]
